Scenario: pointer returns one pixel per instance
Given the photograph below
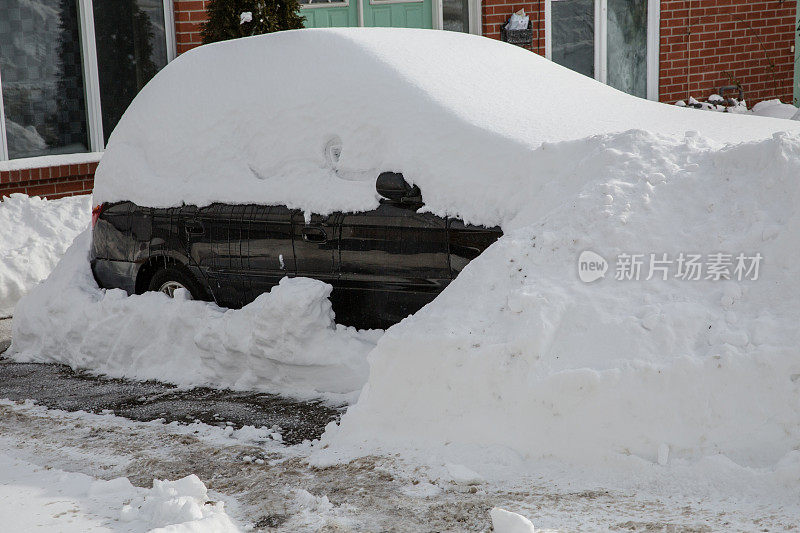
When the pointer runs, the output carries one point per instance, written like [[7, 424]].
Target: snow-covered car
[[383, 264], [248, 160]]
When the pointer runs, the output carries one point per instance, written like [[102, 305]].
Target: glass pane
[[131, 48], [42, 77], [455, 15], [627, 46], [573, 34]]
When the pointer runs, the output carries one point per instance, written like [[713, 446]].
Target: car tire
[[168, 279]]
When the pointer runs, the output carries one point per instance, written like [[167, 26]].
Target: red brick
[[8, 191], [41, 190], [69, 186]]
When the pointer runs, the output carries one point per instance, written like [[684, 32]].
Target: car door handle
[[194, 228], [315, 235]]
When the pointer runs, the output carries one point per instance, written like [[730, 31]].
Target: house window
[[69, 69], [613, 41], [41, 71]]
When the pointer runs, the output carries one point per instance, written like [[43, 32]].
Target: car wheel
[[170, 279]]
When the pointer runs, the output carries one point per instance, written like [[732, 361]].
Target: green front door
[[396, 14], [376, 13], [330, 15]]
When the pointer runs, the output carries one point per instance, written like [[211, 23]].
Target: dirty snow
[[35, 498], [284, 342], [375, 494], [443, 108], [35, 233]]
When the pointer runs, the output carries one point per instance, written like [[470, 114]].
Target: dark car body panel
[[383, 264]]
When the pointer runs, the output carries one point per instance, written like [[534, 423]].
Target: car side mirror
[[394, 187]]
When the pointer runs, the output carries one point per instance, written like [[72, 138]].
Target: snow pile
[[518, 354], [35, 233], [175, 506], [285, 341], [34, 498], [776, 109], [406, 101]]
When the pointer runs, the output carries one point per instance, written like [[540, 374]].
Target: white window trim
[[91, 80], [169, 30], [476, 17], [474, 11], [601, 41], [653, 48]]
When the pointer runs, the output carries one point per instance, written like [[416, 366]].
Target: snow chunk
[[507, 522], [178, 506]]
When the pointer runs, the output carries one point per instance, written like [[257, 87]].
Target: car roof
[[260, 119]]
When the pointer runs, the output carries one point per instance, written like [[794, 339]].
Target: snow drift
[[35, 233], [441, 107], [518, 353], [285, 341]]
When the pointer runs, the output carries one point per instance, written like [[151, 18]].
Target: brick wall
[[50, 182], [497, 12], [188, 16], [709, 43]]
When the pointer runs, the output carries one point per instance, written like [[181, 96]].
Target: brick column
[[188, 16]]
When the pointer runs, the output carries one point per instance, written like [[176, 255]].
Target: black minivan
[[383, 264]]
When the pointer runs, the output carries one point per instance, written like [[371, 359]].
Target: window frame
[[91, 75], [601, 41]]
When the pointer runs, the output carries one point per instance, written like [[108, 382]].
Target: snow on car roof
[[263, 119]]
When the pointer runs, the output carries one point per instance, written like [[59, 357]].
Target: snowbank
[[518, 354], [441, 107], [35, 233], [776, 109], [285, 341], [34, 498]]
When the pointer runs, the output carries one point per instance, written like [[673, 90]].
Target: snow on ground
[[264, 484], [33, 498], [284, 342], [35, 233]]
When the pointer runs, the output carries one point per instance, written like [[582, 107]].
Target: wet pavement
[[59, 387]]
